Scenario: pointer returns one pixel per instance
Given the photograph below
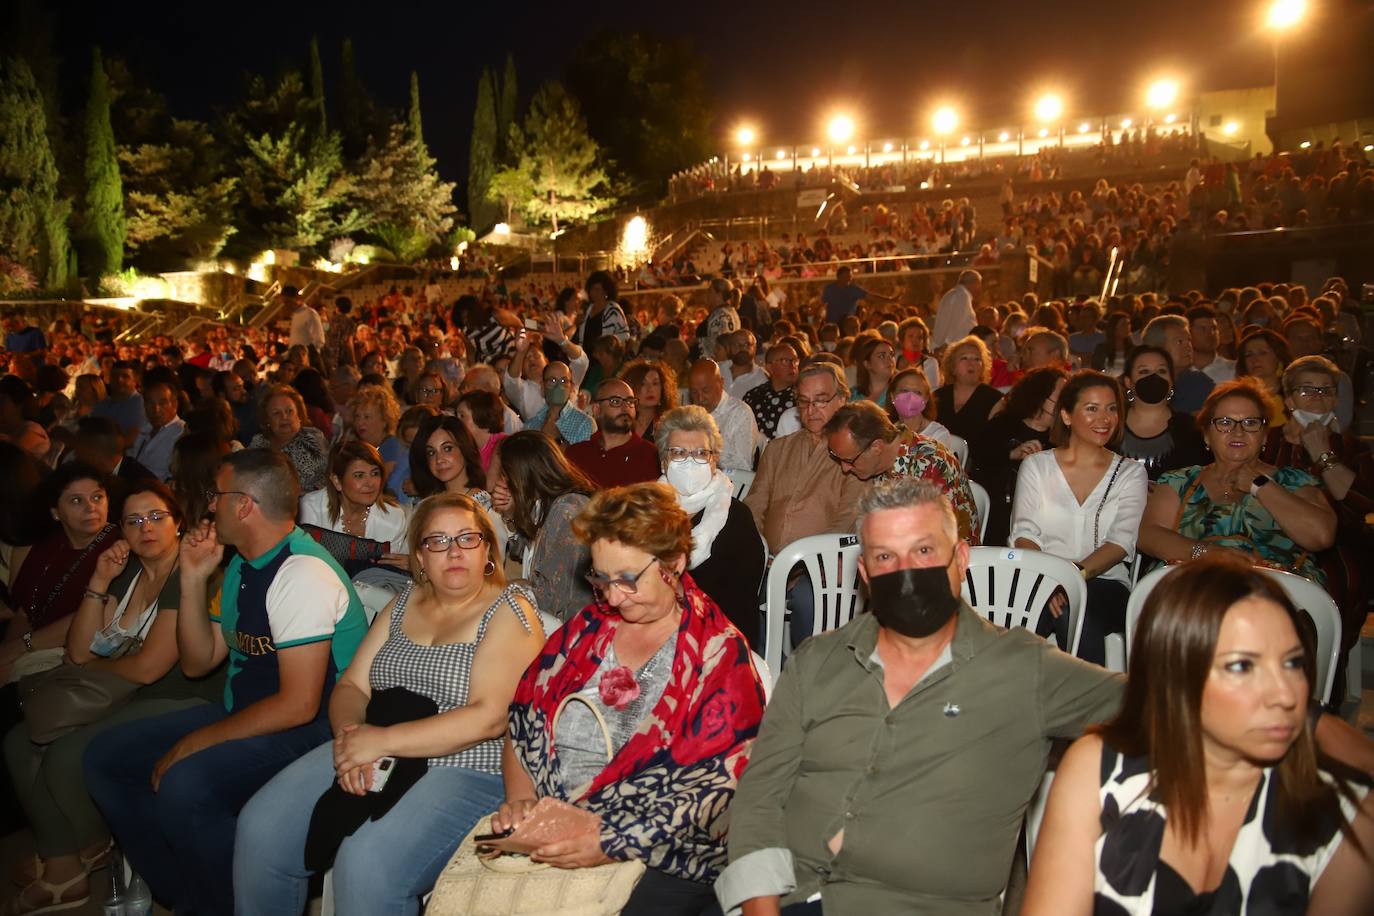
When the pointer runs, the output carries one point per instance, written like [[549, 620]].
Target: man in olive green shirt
[[899, 752]]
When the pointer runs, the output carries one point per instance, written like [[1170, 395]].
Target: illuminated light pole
[[839, 129], [745, 135], [1283, 16], [944, 121], [1049, 110]]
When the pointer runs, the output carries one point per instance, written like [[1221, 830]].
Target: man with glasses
[[615, 455], [798, 491], [733, 417], [289, 621], [774, 397], [866, 444], [559, 418]]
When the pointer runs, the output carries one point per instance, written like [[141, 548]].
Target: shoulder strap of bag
[[600, 720]]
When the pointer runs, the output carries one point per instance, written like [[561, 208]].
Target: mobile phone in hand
[[493, 837], [381, 772]]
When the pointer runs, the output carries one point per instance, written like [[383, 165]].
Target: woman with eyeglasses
[[426, 698], [656, 660], [728, 556], [1310, 441], [125, 625], [537, 494], [1271, 516]]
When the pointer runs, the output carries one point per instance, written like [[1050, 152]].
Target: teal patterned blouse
[[1245, 524]]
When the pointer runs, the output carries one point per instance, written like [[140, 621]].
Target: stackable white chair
[[742, 480], [832, 561], [983, 503], [1011, 587], [959, 446], [1306, 595]]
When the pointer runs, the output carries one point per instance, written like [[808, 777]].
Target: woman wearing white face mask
[[728, 555], [1310, 441]]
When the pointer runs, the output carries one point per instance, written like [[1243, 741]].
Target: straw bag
[[512, 885]]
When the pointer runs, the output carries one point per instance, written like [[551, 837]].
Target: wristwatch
[[1256, 484]]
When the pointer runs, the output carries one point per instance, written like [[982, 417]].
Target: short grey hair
[[906, 493], [1156, 331], [689, 419], [830, 371], [1317, 364]]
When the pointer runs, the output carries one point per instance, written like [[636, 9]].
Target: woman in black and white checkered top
[[459, 637]]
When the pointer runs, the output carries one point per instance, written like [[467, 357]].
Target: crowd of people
[[336, 582]]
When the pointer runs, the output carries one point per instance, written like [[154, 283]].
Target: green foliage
[[317, 84], [557, 177], [400, 197], [646, 100], [104, 201], [482, 155], [295, 191], [33, 220], [461, 234], [361, 121], [417, 130], [506, 151]]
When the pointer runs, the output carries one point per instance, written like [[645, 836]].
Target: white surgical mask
[[688, 477], [1307, 418]]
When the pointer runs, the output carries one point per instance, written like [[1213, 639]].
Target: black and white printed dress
[[1270, 872]]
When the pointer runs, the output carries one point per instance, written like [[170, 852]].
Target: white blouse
[[388, 524], [1046, 511]]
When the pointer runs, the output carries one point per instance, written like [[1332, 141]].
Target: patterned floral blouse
[[927, 459], [1245, 524]]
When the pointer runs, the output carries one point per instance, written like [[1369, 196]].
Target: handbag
[[474, 884], [61, 700]]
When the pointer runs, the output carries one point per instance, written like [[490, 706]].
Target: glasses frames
[[615, 402], [626, 586], [1248, 424], [443, 543], [138, 521]]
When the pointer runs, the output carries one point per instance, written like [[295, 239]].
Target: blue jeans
[[181, 838], [383, 868], [801, 602]]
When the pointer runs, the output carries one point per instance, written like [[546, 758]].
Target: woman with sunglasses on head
[[125, 626], [1275, 517], [673, 681], [427, 690], [728, 555]]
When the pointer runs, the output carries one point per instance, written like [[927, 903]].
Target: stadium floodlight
[[1049, 108], [1003, 137], [745, 135], [1161, 93], [944, 120], [887, 147], [965, 141], [1044, 132], [925, 144], [851, 150], [1285, 14], [1126, 123], [746, 157], [840, 128], [815, 151], [782, 154], [1084, 128], [1230, 128], [1170, 118]]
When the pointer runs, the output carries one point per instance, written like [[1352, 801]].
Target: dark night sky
[[780, 66]]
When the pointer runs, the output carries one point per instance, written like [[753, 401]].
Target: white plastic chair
[[832, 561], [983, 503], [1035, 814], [742, 480], [1306, 595], [1011, 587], [959, 446]]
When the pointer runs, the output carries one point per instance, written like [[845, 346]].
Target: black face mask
[[913, 602], [1152, 389]]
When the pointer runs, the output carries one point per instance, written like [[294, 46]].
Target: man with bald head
[[734, 418], [482, 377], [615, 455]]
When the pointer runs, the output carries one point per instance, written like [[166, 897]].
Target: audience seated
[[1209, 774], [776, 394], [429, 686], [728, 556], [965, 400], [171, 786], [655, 388], [911, 404], [615, 455], [281, 413], [733, 417], [1082, 502], [676, 749], [1156, 435]]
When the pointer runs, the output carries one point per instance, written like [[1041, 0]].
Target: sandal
[[100, 859], [18, 907]]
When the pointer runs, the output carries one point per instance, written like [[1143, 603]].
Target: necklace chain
[[362, 527]]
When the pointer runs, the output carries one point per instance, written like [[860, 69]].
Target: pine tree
[[350, 102], [33, 220], [482, 155], [506, 149], [317, 84], [416, 128], [401, 197], [105, 226]]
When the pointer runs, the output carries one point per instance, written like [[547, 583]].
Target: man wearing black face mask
[[898, 752]]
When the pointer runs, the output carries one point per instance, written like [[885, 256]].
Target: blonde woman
[[374, 413], [967, 398]]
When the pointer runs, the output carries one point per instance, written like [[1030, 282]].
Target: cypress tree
[[33, 228], [350, 102], [104, 202], [482, 155], [317, 84], [505, 113], [416, 128]]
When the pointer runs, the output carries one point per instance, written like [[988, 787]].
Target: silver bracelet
[[1199, 549]]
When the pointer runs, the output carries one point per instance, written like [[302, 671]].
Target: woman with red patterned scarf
[[676, 686]]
